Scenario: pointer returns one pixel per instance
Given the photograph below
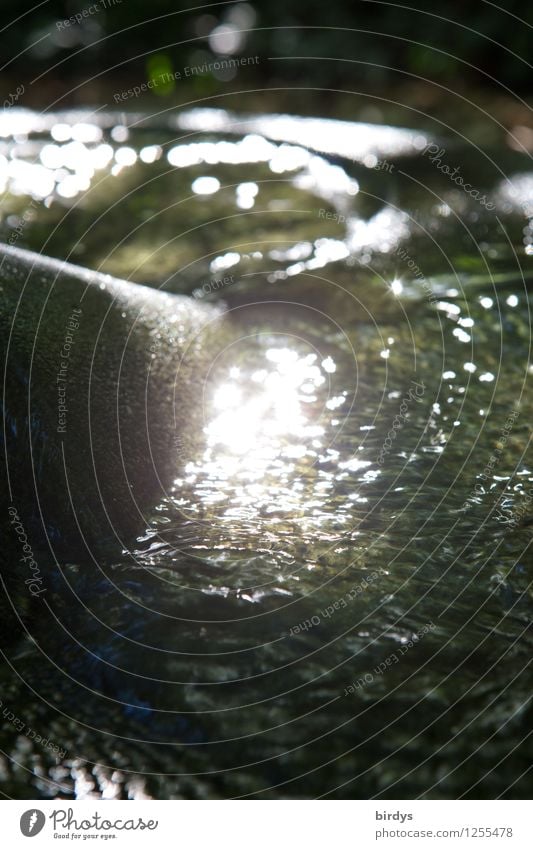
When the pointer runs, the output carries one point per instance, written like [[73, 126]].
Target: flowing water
[[334, 597]]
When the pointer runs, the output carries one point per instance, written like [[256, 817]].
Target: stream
[[334, 597]]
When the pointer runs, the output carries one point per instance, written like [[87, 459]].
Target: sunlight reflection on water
[[265, 422], [56, 159]]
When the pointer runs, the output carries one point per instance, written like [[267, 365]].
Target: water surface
[[312, 610]]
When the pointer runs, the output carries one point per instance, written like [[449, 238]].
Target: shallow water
[[312, 611]]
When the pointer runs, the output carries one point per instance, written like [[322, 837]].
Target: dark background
[[387, 44]]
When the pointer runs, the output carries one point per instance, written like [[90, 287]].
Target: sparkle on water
[[263, 424], [64, 168]]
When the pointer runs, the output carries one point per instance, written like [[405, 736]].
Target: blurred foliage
[[367, 42]]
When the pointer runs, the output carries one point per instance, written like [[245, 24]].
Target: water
[[334, 597]]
